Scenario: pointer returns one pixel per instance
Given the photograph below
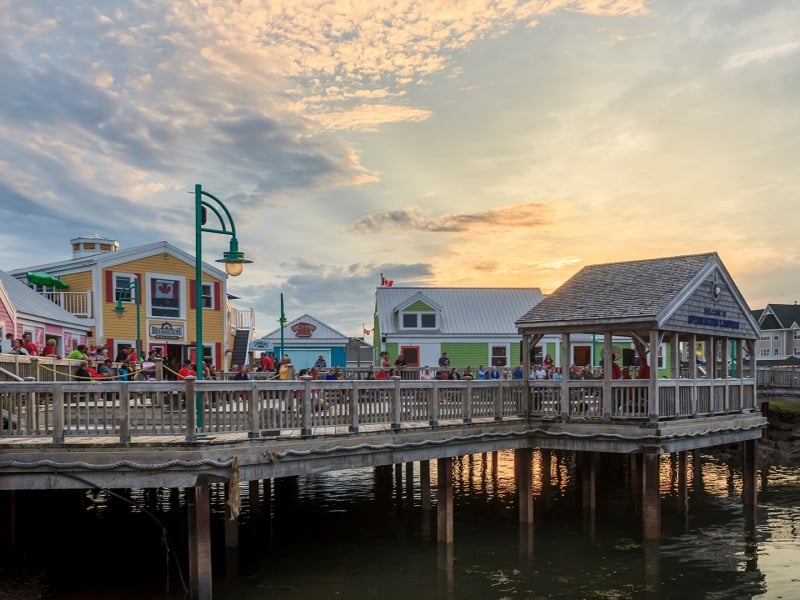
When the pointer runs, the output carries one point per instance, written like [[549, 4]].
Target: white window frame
[[118, 289], [211, 296], [491, 354], [182, 299], [418, 320]]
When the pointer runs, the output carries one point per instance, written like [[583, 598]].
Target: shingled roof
[[635, 294]]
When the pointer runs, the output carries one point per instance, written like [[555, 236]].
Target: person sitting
[[321, 363], [400, 361], [29, 344], [186, 370], [616, 372], [518, 372], [382, 374], [79, 353], [468, 372], [82, 372], [18, 348], [454, 374], [426, 374], [123, 371], [50, 349], [104, 369], [244, 373]]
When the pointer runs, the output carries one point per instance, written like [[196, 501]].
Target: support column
[[588, 462], [444, 506], [231, 524], [683, 488], [425, 497], [254, 499], [651, 496], [635, 483], [523, 460], [199, 515], [749, 474]]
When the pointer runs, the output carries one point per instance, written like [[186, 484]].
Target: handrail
[[125, 409]]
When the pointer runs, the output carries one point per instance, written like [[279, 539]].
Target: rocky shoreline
[[780, 444]]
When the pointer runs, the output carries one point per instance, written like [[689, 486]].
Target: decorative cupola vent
[[91, 244]]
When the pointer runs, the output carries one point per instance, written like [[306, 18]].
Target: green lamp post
[[124, 295], [233, 259]]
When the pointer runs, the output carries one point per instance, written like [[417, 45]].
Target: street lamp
[[233, 259], [124, 294]]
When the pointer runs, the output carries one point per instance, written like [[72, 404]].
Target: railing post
[[468, 401], [124, 413], [252, 399], [434, 408], [354, 408], [58, 413], [305, 431], [498, 401], [191, 410], [396, 401]]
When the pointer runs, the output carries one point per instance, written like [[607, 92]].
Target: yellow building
[[101, 278]]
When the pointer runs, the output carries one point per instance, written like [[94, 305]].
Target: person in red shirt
[[29, 345], [186, 370], [266, 362], [50, 349]]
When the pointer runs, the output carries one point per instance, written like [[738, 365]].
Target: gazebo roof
[[692, 293]]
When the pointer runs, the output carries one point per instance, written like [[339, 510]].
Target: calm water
[[360, 534]]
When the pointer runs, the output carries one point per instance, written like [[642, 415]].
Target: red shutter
[[192, 293], [217, 296], [110, 345], [109, 286]]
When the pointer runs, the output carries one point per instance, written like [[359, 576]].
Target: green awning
[[41, 278]]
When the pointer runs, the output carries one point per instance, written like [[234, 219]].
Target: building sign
[[714, 317], [303, 330], [167, 331], [261, 346]]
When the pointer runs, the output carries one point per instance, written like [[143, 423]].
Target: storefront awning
[[41, 278]]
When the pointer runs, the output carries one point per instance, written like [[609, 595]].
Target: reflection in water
[[370, 533]]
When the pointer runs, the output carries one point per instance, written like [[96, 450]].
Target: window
[[208, 295], [775, 352], [419, 320], [776, 336], [764, 352], [166, 296], [797, 334], [411, 355], [124, 288], [499, 356], [765, 337], [797, 351]]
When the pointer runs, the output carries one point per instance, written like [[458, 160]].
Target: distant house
[[22, 310], [474, 326], [100, 278], [779, 341], [305, 339]]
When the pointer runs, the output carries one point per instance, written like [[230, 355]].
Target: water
[[359, 535]]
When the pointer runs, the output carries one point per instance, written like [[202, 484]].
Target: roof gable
[[306, 329], [661, 293]]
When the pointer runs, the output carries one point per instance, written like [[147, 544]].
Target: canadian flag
[[165, 289], [367, 331], [386, 282]]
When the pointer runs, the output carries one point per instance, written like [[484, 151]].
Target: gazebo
[[690, 327]]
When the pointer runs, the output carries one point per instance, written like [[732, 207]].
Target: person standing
[[186, 370], [444, 361], [244, 373], [8, 343]]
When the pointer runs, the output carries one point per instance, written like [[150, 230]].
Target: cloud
[[414, 218]]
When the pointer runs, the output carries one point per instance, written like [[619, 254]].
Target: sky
[[479, 143]]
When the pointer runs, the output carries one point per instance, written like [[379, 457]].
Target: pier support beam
[[199, 515], [588, 479], [523, 461], [425, 497], [444, 507], [546, 479], [749, 472], [651, 496], [231, 524], [683, 488]]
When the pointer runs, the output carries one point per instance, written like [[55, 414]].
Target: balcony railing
[[77, 303]]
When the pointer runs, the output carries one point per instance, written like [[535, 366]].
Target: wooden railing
[[269, 408]]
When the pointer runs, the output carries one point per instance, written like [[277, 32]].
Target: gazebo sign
[[166, 331]]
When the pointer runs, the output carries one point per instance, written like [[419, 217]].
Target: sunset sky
[[495, 143]]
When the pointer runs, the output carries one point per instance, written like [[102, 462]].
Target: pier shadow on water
[[363, 534]]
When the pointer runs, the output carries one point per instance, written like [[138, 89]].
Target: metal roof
[[463, 311], [31, 305]]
